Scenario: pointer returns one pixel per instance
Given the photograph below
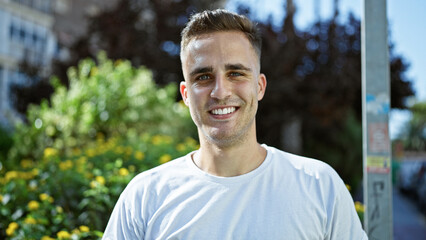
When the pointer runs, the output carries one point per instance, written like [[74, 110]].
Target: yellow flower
[[100, 180], [63, 235], [59, 209], [359, 207], [47, 238], [84, 228], [1, 198], [165, 158], [11, 228], [81, 160], [123, 172], [65, 165], [11, 175], [50, 152], [156, 140], [161, 139], [45, 197], [26, 163], [26, 175], [139, 155], [190, 141], [180, 147], [91, 152], [348, 187], [30, 220], [35, 171], [33, 205]]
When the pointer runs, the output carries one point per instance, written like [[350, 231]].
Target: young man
[[232, 187]]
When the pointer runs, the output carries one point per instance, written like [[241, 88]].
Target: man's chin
[[223, 140]]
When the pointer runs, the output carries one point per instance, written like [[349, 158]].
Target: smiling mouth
[[223, 111]]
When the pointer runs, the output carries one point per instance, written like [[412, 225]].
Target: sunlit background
[[405, 20], [88, 99]]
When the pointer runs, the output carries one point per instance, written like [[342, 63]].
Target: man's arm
[[123, 224], [344, 222]]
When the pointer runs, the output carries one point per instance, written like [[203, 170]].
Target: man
[[232, 187]]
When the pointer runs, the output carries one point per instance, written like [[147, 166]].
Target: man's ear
[[261, 86], [184, 92]]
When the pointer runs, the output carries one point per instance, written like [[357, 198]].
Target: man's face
[[222, 86]]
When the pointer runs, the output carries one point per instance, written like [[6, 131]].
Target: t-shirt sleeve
[[344, 222], [124, 223]]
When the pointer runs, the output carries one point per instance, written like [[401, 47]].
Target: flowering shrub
[[68, 166], [112, 98], [71, 197]]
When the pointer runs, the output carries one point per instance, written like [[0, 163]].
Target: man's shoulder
[[301, 164], [161, 173]]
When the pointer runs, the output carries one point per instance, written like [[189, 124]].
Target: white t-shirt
[[286, 197]]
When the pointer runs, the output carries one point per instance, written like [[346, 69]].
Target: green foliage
[[111, 98], [342, 149], [68, 166], [5, 144], [415, 131], [73, 196]]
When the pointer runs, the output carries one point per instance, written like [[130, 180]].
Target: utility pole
[[375, 114]]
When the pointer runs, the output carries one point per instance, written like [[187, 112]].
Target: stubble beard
[[237, 137]]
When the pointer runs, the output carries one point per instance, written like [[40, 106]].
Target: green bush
[[66, 168], [73, 196], [5, 144], [111, 98]]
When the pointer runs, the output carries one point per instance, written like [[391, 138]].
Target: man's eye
[[235, 74], [203, 77]]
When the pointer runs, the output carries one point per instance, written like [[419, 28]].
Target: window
[[35, 38], [12, 31], [22, 34]]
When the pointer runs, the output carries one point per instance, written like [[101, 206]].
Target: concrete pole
[[376, 106]]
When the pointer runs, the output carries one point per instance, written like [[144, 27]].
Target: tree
[[146, 32], [414, 134], [314, 78]]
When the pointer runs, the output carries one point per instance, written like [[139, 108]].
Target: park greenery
[[314, 75], [68, 165], [109, 119], [414, 133]]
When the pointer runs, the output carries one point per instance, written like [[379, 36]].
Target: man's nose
[[221, 89]]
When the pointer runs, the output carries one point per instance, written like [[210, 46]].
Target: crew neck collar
[[229, 180]]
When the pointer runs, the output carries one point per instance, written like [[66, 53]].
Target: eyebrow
[[201, 70], [237, 66]]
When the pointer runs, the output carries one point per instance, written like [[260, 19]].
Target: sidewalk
[[408, 222]]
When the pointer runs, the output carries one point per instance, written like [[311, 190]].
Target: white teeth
[[222, 111]]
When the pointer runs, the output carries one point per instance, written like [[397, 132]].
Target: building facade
[[26, 33]]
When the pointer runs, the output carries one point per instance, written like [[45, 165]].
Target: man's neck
[[230, 161]]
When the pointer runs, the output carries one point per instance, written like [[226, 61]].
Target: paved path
[[408, 222]]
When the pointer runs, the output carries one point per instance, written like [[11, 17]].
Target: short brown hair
[[221, 20]]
